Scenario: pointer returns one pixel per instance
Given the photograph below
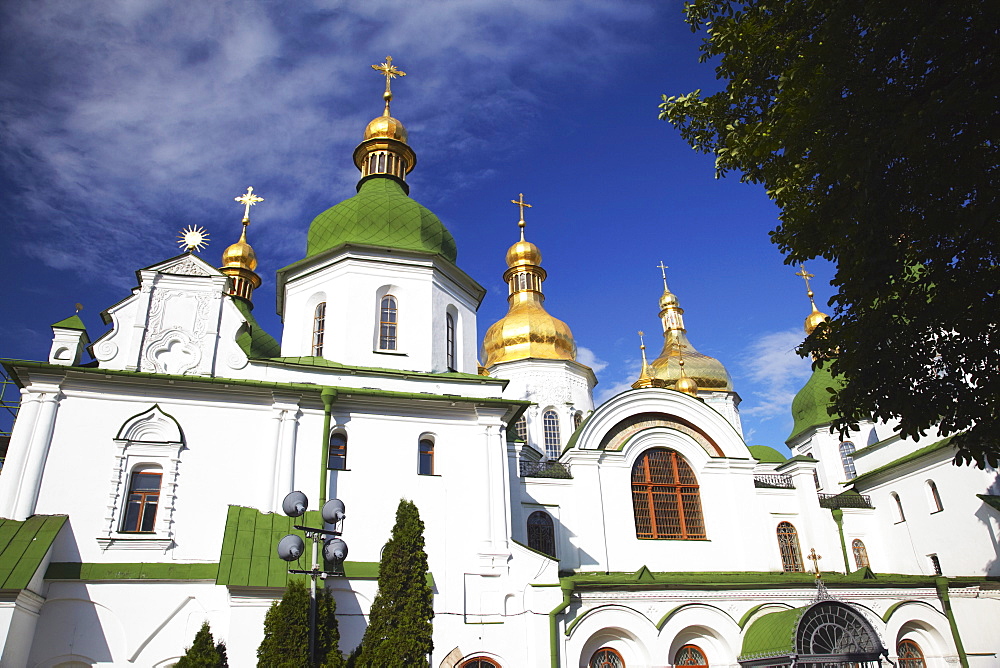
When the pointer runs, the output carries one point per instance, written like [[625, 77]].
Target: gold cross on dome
[[522, 205], [642, 344], [805, 277], [813, 557], [248, 200], [390, 71], [663, 272]]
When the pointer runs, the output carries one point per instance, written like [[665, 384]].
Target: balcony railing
[[844, 500], [773, 481], [544, 470]]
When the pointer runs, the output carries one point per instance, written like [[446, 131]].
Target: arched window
[[900, 516], [550, 423], [690, 655], [860, 553], [933, 497], [542, 533], [143, 500], [847, 459], [426, 456], [665, 497], [521, 428], [449, 326], [577, 419], [788, 543], [319, 327], [909, 654], [388, 323], [336, 457], [479, 662], [606, 658]]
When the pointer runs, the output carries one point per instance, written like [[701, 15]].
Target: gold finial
[[193, 238], [813, 557], [79, 307], [522, 205], [684, 383], [391, 72], [806, 276], [248, 199], [645, 378], [663, 271], [816, 317]]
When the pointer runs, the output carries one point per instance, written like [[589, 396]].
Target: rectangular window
[[143, 500], [337, 454], [388, 320], [426, 457]]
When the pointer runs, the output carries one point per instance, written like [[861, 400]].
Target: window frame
[[860, 553], [847, 450], [909, 646], [667, 504], [484, 662], [615, 654], [341, 453], [318, 329], [521, 427], [934, 497], [691, 648], [147, 498], [449, 342], [388, 325], [544, 534], [900, 515], [425, 455], [551, 431], [789, 548]]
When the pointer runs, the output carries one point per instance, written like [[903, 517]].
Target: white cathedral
[[141, 492]]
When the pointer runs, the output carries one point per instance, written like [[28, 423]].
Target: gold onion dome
[[383, 151], [816, 317], [527, 331], [386, 127], [706, 372], [240, 260], [240, 254]]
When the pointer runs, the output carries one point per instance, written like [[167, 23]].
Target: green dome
[[810, 407], [381, 214], [766, 454]]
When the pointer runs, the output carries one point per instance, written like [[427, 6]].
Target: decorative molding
[[184, 267]]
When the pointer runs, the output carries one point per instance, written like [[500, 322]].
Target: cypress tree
[[204, 653], [399, 627], [286, 631]]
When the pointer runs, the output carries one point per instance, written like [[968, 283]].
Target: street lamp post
[[291, 547]]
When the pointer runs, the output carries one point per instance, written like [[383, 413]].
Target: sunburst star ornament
[[193, 237]]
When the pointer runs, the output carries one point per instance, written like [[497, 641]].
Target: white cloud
[[586, 356], [772, 365]]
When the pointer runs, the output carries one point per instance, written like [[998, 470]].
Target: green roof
[[643, 579], [991, 500], [812, 405], [72, 322], [23, 546], [916, 454], [766, 454], [773, 634], [256, 343], [67, 570], [249, 550], [381, 214]]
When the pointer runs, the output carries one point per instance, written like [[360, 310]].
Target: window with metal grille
[[521, 428], [336, 457], [550, 424], [449, 326], [900, 516], [388, 323], [690, 655], [933, 497], [479, 662], [143, 500], [426, 456], [665, 497], [788, 543], [909, 654], [847, 459], [542, 533], [606, 658], [860, 553], [319, 327]]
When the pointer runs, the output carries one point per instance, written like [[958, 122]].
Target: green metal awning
[[23, 546]]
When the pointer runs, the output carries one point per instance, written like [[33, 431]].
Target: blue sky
[[124, 123]]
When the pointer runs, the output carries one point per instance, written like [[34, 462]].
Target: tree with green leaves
[[873, 126], [204, 651], [399, 625], [286, 631]]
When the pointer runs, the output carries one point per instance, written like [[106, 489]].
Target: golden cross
[[642, 344], [805, 277], [248, 200], [813, 557], [663, 272], [391, 72], [522, 205]]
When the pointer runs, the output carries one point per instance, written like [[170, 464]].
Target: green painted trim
[[72, 322], [796, 458], [874, 446], [905, 459], [483, 623], [328, 395], [23, 546], [670, 613], [714, 581], [538, 552], [576, 433], [992, 500], [838, 517], [753, 611], [567, 590], [556, 584], [62, 570], [942, 591], [309, 388], [323, 363], [892, 609]]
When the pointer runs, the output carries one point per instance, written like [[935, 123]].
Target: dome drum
[[384, 157]]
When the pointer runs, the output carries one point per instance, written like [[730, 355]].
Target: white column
[[272, 500], [38, 452], [17, 452], [286, 452]]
